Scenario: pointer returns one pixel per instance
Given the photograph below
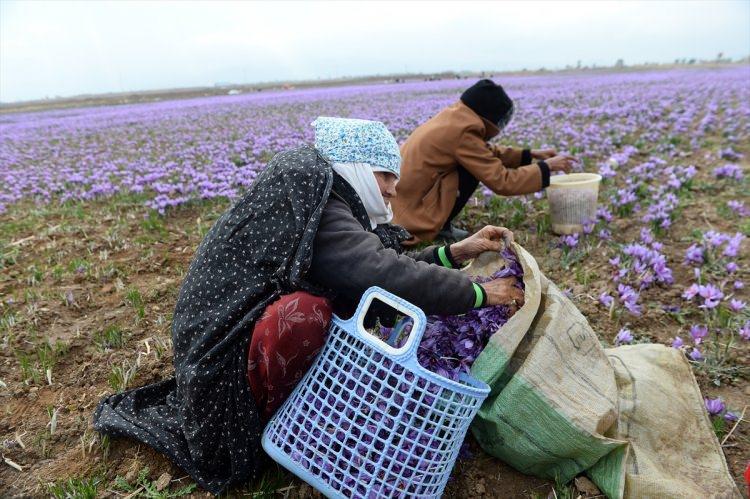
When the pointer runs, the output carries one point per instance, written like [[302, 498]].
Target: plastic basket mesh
[[361, 424]]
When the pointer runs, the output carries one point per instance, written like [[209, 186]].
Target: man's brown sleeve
[[480, 160]]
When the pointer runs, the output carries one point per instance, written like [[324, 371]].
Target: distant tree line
[[620, 63]]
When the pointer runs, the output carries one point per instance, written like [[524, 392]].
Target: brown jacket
[[426, 192]]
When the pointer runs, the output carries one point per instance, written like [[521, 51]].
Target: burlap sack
[[673, 449], [554, 405]]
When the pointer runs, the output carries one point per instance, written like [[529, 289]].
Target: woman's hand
[[543, 153], [490, 238], [503, 292]]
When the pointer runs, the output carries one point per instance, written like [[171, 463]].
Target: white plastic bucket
[[573, 201]]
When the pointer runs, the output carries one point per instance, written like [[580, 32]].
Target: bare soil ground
[[87, 296]]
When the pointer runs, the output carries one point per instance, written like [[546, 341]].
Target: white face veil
[[361, 177]]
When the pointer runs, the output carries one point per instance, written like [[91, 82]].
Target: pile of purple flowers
[[451, 344]]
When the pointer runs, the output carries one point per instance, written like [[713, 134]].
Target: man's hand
[[561, 163], [543, 153], [503, 292], [490, 238]]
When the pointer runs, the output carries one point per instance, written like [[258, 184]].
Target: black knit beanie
[[489, 100]]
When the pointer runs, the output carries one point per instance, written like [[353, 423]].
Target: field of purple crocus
[[102, 208]]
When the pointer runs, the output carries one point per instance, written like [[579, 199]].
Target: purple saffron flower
[[629, 298], [714, 406], [736, 305], [711, 295], [625, 197], [636, 251], [606, 171], [604, 214], [606, 300], [698, 333], [715, 239], [745, 331], [731, 267], [696, 355], [621, 273], [605, 235], [624, 337], [663, 273], [466, 348], [732, 248], [647, 237], [571, 241], [632, 306], [739, 208], [738, 285], [690, 292], [730, 417], [694, 255], [677, 342]]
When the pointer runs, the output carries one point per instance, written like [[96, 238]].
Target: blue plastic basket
[[367, 420]]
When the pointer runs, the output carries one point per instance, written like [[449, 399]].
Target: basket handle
[[403, 306]]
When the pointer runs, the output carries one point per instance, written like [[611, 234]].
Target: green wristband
[[479, 300], [444, 258]]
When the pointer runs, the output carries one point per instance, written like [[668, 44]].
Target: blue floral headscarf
[[343, 140]]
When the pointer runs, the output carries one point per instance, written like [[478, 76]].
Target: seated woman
[[310, 236]]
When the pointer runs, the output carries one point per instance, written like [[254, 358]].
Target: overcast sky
[[65, 48]]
